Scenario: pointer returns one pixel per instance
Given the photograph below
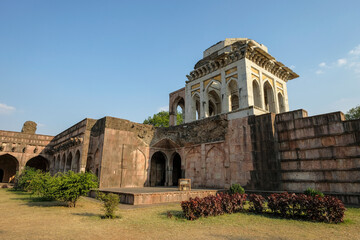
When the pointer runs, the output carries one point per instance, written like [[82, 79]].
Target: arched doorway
[[269, 98], [176, 172], [9, 165], [233, 95], [68, 162], [76, 164], [214, 100], [38, 162], [89, 164], [157, 169]]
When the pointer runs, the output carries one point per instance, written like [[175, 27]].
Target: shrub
[[316, 208], [257, 203], [236, 188], [213, 205], [313, 192], [70, 186], [23, 179], [110, 202], [42, 185]]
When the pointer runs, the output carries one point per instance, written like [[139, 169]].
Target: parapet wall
[[321, 152]]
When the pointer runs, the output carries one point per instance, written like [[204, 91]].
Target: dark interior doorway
[[176, 173], [38, 162], [157, 172], [8, 167], [1, 175]]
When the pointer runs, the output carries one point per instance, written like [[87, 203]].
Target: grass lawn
[[24, 218]]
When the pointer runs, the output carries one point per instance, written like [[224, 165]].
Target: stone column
[[224, 94], [203, 102]]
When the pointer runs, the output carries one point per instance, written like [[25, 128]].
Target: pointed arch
[[256, 94], [233, 94], [179, 114], [62, 163], [176, 168], [8, 165], [213, 97], [195, 106], [269, 98], [157, 169], [68, 162], [75, 167], [38, 162], [281, 102], [57, 164]]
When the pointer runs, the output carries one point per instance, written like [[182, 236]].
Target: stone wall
[[321, 152], [17, 149], [120, 149]]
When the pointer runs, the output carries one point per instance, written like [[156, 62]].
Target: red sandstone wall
[[321, 152], [124, 161]]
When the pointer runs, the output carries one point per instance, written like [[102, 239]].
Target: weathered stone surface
[[29, 127]]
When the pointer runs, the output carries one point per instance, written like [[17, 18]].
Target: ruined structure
[[238, 129]]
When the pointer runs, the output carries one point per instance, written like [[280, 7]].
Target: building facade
[[238, 129]]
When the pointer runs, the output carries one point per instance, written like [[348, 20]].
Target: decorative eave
[[238, 51], [67, 144]]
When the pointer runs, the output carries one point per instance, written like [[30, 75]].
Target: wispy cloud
[[292, 67], [6, 109], [355, 51], [341, 61], [322, 65], [164, 108], [350, 61]]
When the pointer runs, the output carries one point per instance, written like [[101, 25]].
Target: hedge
[[295, 206]]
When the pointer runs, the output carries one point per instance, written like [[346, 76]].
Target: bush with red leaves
[[316, 208], [213, 205]]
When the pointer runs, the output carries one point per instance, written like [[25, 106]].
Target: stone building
[[238, 129]]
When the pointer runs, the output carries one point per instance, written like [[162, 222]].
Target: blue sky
[[63, 61]]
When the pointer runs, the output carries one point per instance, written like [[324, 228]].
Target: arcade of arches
[[9, 165], [159, 176]]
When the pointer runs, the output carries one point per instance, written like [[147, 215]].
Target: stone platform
[[153, 195]]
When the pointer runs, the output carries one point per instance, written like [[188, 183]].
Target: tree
[[161, 119], [353, 113]]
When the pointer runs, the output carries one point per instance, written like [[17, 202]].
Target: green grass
[[23, 217]]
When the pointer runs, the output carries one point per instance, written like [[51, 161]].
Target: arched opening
[[233, 95], [89, 164], [214, 103], [76, 163], [62, 163], [256, 94], [214, 100], [269, 98], [96, 165], [57, 164], [195, 107], [157, 169], [281, 103], [176, 172], [38, 162], [9, 165], [178, 109], [68, 162]]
